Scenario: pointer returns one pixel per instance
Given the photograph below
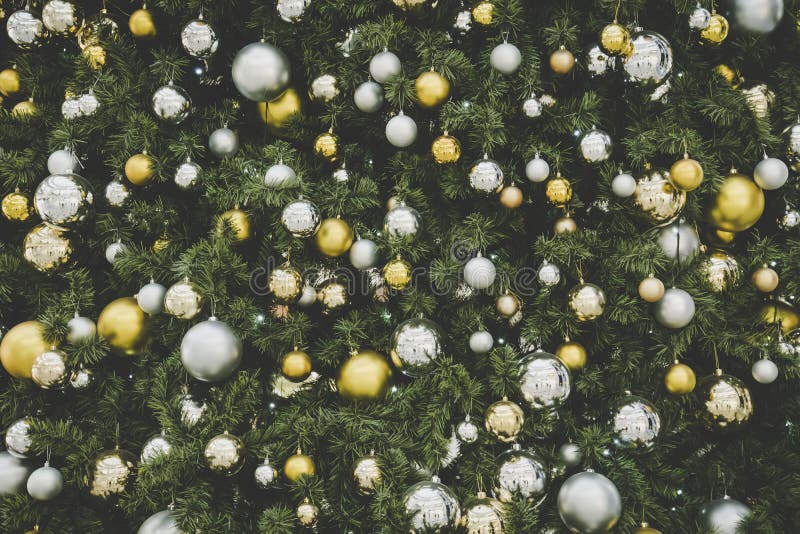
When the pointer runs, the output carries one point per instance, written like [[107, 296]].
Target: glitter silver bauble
[[770, 173], [301, 218], [486, 176], [699, 18], [532, 107], [759, 97], [199, 39], [280, 176], [260, 72], [49, 370], [163, 522], [463, 22], [81, 378], [45, 483], [292, 10], [589, 503], [24, 29], [88, 104], [467, 431], [223, 142], [266, 475], [211, 351], [597, 61], [71, 108], [224, 454], [722, 516], [384, 66], [364, 254], [18, 438], [481, 342], [155, 446], [595, 146], [114, 249], [341, 174], [187, 175], [759, 16], [479, 272], [415, 346], [171, 103], [636, 423], [62, 161], [431, 506], [80, 329], [323, 88], [14, 474], [117, 193], [192, 409], [401, 221], [521, 473], [764, 371], [401, 130], [368, 97], [623, 185], [651, 60], [790, 218], [679, 241], [675, 309], [482, 515], [64, 200], [367, 474], [183, 300], [61, 17], [505, 58], [545, 382], [537, 170]]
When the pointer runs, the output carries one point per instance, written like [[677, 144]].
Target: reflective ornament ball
[[46, 248], [45, 483], [738, 205], [298, 465], [183, 300], [364, 254], [615, 39], [562, 61], [481, 342], [141, 24], [401, 130], [211, 351], [415, 345], [532, 107], [280, 176], [117, 193], [278, 112], [384, 66], [114, 249], [334, 237], [18, 438], [61, 17], [545, 382], [589, 503], [548, 274], [112, 472], [368, 97], [81, 378], [507, 304], [123, 325], [721, 271], [17, 207], [265, 475], [308, 297], [301, 218], [482, 514], [187, 175], [260, 72], [679, 241], [586, 301], [467, 431], [716, 31], [80, 329], [25, 29], [401, 221], [675, 309], [49, 369], [699, 18], [307, 513], [680, 379], [537, 170], [759, 97], [285, 283], [521, 473], [291, 10], [431, 507], [759, 16], [658, 200], [397, 273], [483, 13], [558, 191], [597, 61], [323, 88], [504, 420], [163, 522], [223, 142], [64, 200], [479, 272], [155, 446], [791, 136], [192, 410], [505, 58], [651, 60], [224, 454], [326, 145], [723, 516], [771, 173], [171, 103], [199, 39], [635, 423], [364, 376], [486, 176], [595, 146], [367, 474], [725, 401], [623, 185], [26, 108], [570, 454], [765, 371], [446, 149], [332, 296]]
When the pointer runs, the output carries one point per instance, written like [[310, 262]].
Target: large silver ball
[[171, 103], [45, 483], [636, 423], [187, 175], [415, 346], [595, 146], [481, 342], [651, 60], [223, 142], [432, 507], [364, 254], [368, 97], [479, 272], [486, 176], [261, 72], [24, 29], [301, 218], [401, 130], [545, 382], [384, 66], [401, 221], [589, 503], [61, 17], [211, 351], [80, 329], [199, 39], [722, 516], [675, 309], [291, 10], [771, 173], [765, 371], [280, 176], [18, 438], [13, 474], [63, 200], [521, 473], [537, 170], [163, 522], [760, 16], [505, 58], [679, 241], [62, 161]]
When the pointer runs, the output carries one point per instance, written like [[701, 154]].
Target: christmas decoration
[[650, 61], [770, 173], [717, 29], [278, 112], [334, 237], [112, 472], [548, 274], [296, 365], [415, 345], [280, 176], [482, 514], [163, 522], [24, 29], [532, 107], [431, 506], [589, 502], [298, 465], [17, 206], [572, 354], [675, 309], [18, 438], [699, 18], [562, 61], [765, 279], [467, 431], [511, 197], [46, 248], [401, 130], [679, 241], [141, 24], [432, 89], [368, 97], [595, 146], [224, 454], [49, 369], [260, 72], [265, 475], [150, 298], [301, 218], [401, 221], [570, 454], [367, 474], [223, 142], [738, 205], [364, 254], [765, 371], [123, 324], [725, 400], [446, 149], [636, 423], [759, 16], [586, 301], [545, 381], [505, 58], [724, 515], [481, 342], [192, 410], [504, 420], [64, 200], [615, 39], [659, 202], [171, 103], [384, 66], [9, 82], [479, 272], [645, 528], [537, 169], [14, 474], [155, 446], [291, 10], [139, 169], [721, 271], [323, 88], [520, 473], [680, 379], [307, 513], [183, 300], [558, 190], [211, 351], [623, 185], [364, 376], [199, 39], [80, 329], [686, 174], [507, 305], [485, 176]]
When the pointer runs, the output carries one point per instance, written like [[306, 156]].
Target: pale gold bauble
[[9, 82], [562, 61], [26, 108], [686, 174], [21, 346], [765, 279], [558, 191], [483, 13], [780, 310], [296, 365], [432, 89], [183, 300], [95, 56], [615, 39], [644, 528], [307, 513], [49, 370], [139, 169], [46, 248], [141, 24], [738, 205], [504, 420], [276, 113], [238, 221], [680, 379], [507, 304], [586, 301], [334, 237], [565, 225], [445, 149], [651, 289], [572, 354], [326, 145], [123, 324], [729, 74], [483, 515], [397, 273], [721, 271], [285, 283], [332, 296], [17, 206], [716, 31], [298, 465], [365, 375], [112, 472], [511, 197], [658, 200]]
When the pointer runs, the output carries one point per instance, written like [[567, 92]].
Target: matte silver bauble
[[62, 161], [765, 371], [171, 103], [18, 438], [595, 146], [401, 130], [155, 447], [223, 142], [187, 175], [537, 170], [486, 176], [771, 173], [722, 516], [80, 329], [64, 200], [113, 250], [505, 58], [291, 10], [589, 503], [368, 97], [211, 351], [13, 474], [117, 193], [675, 309], [199, 39], [401, 221], [224, 454], [545, 382], [570, 454], [364, 254], [479, 272], [261, 72], [45, 483], [265, 475], [759, 16], [415, 346], [679, 241], [301, 218], [636, 423], [623, 185], [431, 507], [61, 17], [384, 66], [280, 176], [481, 342], [24, 29], [163, 522], [521, 473], [651, 60]]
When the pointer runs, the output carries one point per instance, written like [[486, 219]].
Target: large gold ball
[[511, 197], [686, 174], [504, 420], [21, 346], [123, 324], [780, 310], [562, 61], [397, 273], [573, 354], [141, 24], [558, 191], [766, 280], [659, 201], [326, 145], [112, 472], [680, 379], [651, 289], [47, 248], [483, 13], [276, 113], [26, 108], [615, 39], [285, 283], [446, 149], [17, 206], [738, 205], [9, 82], [238, 221], [334, 237], [432, 89], [139, 169], [298, 465], [716, 31], [721, 271], [296, 365], [366, 375]]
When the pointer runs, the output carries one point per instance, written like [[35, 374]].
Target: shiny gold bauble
[[507, 304], [9, 82], [285, 283], [719, 238], [21, 346], [728, 74], [483, 13], [432, 89], [307, 513], [511, 197], [26, 108], [296, 365], [504, 420], [644, 528], [276, 113], [658, 200], [686, 174], [716, 31], [238, 221], [334, 237], [565, 225], [123, 324], [651, 289], [17, 206], [141, 24], [95, 56], [332, 296], [572, 354], [586, 301], [766, 280], [183, 300], [781, 310], [298, 465], [558, 191], [615, 39], [562, 61], [397, 273], [46, 248], [725, 402], [738, 205], [680, 379], [49, 370], [112, 472], [721, 271], [224, 454], [139, 169], [366, 375], [483, 515], [446, 149], [326, 145]]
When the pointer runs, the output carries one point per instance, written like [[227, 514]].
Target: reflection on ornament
[[659, 201], [726, 401]]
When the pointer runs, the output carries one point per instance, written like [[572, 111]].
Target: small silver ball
[[623, 185], [537, 170], [171, 103], [280, 176], [45, 483], [480, 272], [62, 161], [481, 342], [401, 221], [199, 39], [384, 66], [364, 254], [117, 193], [223, 142], [80, 329], [187, 175], [765, 371], [401, 130], [368, 97], [595, 146], [467, 431], [771, 173], [570, 454], [679, 241], [301, 218], [113, 250], [151, 298]]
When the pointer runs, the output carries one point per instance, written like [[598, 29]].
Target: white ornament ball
[[384, 66], [151, 298], [364, 254], [45, 483], [570, 454], [481, 342], [13, 474], [260, 72], [771, 173], [369, 97], [675, 309], [211, 351], [505, 58], [589, 503], [623, 185], [223, 142], [479, 272], [722, 516], [62, 161], [308, 297], [163, 522], [765, 371], [80, 328], [537, 170], [113, 250], [280, 176], [401, 130]]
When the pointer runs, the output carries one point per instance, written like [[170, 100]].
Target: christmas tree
[[400, 266]]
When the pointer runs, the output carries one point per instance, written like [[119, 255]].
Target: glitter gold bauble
[[9, 82], [17, 206], [141, 24], [95, 56], [397, 273], [446, 149], [562, 61], [139, 169], [738, 205], [615, 39], [651, 289], [276, 113], [572, 354], [296, 365], [112, 472], [334, 237], [765, 279], [21, 346], [307, 513], [483, 13], [326, 145], [46, 248], [332, 296], [658, 200], [558, 191], [716, 31], [780, 310], [565, 225], [686, 174], [504, 420], [298, 465], [432, 89], [123, 324], [680, 379], [285, 283], [511, 197], [26, 108], [238, 221], [365, 375]]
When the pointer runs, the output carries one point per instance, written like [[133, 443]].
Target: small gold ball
[[123, 324], [397, 273], [141, 24], [16, 206], [680, 379], [558, 191], [504, 420], [565, 225], [686, 174], [507, 304], [326, 145], [766, 280], [364, 376], [738, 205], [511, 197], [615, 39], [296, 365], [26, 108], [446, 149], [482, 13], [20, 347], [562, 61], [716, 31], [285, 283], [276, 113], [9, 82], [572, 354], [95, 56], [728, 74], [651, 289], [298, 465], [432, 89], [334, 237], [139, 169], [307, 513], [238, 221]]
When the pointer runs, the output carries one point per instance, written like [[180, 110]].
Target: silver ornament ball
[[479, 272], [384, 66], [151, 298], [163, 522], [589, 503], [545, 382], [636, 423], [623, 185], [171, 103], [13, 474], [759, 16], [224, 454], [401, 130], [467, 431], [537, 170], [570, 454], [548, 274], [521, 473], [62, 161], [187, 175], [651, 60], [324, 88], [45, 483], [117, 193], [308, 297], [301, 218], [291, 10], [765, 371], [431, 506], [368, 97], [722, 516], [211, 351], [192, 409], [49, 370], [486, 176], [280, 176], [261, 72], [155, 447], [114, 249], [505, 58], [223, 142], [199, 39], [771, 173], [364, 254], [24, 29], [415, 346], [532, 107], [699, 18], [481, 342], [71, 108], [595, 146], [675, 309], [401, 221], [64, 200], [265, 475], [88, 104], [18, 438], [61, 17], [81, 378], [597, 61], [80, 329], [679, 241]]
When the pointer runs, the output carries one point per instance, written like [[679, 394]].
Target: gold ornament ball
[[721, 271], [26, 108], [298, 465], [123, 324], [332, 296], [238, 221], [21, 346], [686, 174], [781, 310], [307, 513], [644, 528], [725, 402], [738, 205], [224, 454], [565, 225], [504, 420], [139, 169], [276, 113], [95, 56], [397, 273], [572, 354], [183, 300], [586, 301], [719, 238], [659, 201], [47, 247], [766, 280], [334, 237], [49, 370], [141, 24], [446, 149], [651, 289], [507, 305], [558, 191], [112, 472], [432, 89], [562, 61], [716, 31], [615, 39], [482, 13], [296, 365], [366, 375], [392, 202], [285, 283], [511, 197], [482, 515], [326, 145], [680, 379], [9, 82], [728, 74], [17, 206]]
